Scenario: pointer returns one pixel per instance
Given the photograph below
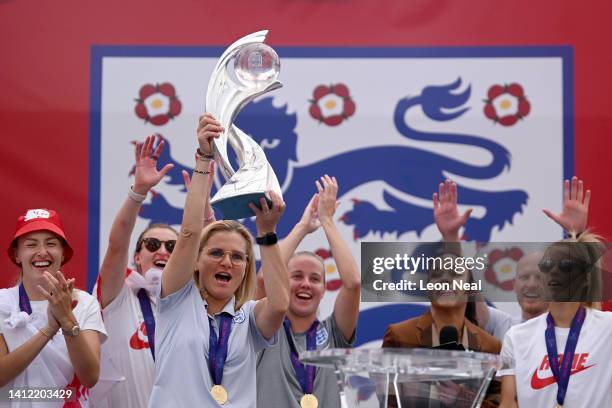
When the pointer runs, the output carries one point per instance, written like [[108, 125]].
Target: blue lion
[[410, 170]]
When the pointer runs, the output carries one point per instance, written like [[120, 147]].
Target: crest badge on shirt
[[239, 317], [322, 336]]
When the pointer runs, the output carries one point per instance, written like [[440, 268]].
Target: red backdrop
[[45, 65]]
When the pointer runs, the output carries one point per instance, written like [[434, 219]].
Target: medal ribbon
[[149, 319], [562, 375], [24, 300], [305, 373], [217, 349]]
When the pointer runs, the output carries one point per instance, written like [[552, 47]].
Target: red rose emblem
[[506, 104], [502, 267], [330, 268], [332, 104], [157, 104]]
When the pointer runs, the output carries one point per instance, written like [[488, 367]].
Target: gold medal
[[219, 394], [309, 401]]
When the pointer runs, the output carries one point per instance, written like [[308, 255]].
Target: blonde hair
[[246, 290], [590, 252]]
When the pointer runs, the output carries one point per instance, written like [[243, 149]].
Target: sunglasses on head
[[153, 244], [565, 265]]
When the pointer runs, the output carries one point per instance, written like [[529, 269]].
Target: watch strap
[[268, 239]]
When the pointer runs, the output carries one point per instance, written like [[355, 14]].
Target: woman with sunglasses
[[126, 295], [209, 331], [562, 357], [32, 352]]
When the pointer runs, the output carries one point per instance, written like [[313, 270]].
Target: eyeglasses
[[236, 257], [153, 244], [565, 265]]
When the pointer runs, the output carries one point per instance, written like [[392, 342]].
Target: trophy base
[[237, 207]]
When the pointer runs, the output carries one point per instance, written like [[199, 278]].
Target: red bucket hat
[[40, 219]]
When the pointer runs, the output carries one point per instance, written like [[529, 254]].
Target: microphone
[[449, 339]]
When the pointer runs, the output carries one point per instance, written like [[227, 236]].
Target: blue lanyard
[[24, 300], [562, 375], [305, 374], [217, 349], [149, 319]]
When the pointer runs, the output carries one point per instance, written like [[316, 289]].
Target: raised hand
[[574, 215], [310, 217], [328, 192], [446, 213], [146, 174], [267, 218], [208, 129]]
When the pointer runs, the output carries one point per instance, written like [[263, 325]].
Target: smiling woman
[[559, 346], [209, 329], [127, 296], [32, 354]]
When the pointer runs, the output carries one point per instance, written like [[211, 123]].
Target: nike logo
[[538, 383]]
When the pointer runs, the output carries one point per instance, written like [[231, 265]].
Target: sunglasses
[[565, 265], [153, 244], [236, 257]]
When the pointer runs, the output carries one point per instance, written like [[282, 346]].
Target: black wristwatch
[[269, 239]]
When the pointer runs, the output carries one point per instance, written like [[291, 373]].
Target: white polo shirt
[[182, 336]]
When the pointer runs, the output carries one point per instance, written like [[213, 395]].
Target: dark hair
[[149, 228]]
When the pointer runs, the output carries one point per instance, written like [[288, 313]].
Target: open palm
[[446, 213], [574, 215], [146, 173]]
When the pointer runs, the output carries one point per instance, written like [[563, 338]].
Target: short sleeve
[[338, 339], [259, 341], [118, 302], [507, 351], [176, 299], [89, 316]]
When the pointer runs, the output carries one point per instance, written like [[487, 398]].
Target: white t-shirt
[[499, 322], [590, 383], [128, 346], [52, 366]]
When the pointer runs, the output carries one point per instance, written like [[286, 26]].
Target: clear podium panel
[[376, 378]]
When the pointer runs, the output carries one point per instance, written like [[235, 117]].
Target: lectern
[[406, 378]]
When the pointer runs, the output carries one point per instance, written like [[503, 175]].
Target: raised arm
[[574, 215], [112, 272], [307, 224], [346, 307], [270, 311], [209, 212], [179, 269]]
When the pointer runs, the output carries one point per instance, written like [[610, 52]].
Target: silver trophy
[[247, 69]]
